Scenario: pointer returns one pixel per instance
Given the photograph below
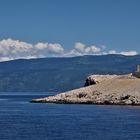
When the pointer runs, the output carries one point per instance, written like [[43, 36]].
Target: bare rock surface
[[107, 89]]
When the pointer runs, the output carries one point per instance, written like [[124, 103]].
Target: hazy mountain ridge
[[60, 74]]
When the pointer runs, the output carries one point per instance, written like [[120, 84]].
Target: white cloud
[[129, 53], [112, 52], [80, 47], [55, 48], [83, 49], [126, 53], [72, 53], [52, 48], [93, 50], [14, 49]]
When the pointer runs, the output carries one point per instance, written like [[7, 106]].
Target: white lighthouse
[[137, 73], [138, 68]]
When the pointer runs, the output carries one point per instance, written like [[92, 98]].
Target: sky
[[45, 28]]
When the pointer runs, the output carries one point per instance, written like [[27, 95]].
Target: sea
[[22, 120]]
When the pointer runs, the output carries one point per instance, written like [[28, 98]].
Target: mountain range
[[60, 74]]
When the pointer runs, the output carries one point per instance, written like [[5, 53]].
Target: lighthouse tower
[[138, 68], [137, 73]]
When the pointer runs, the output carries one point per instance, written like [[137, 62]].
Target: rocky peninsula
[[101, 89]]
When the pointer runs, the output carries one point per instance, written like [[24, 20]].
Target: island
[[101, 89]]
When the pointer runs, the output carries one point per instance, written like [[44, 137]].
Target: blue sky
[[114, 24]]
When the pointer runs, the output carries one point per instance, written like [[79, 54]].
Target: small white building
[[137, 73], [138, 68]]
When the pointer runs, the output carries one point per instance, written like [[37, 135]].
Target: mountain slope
[[60, 74]]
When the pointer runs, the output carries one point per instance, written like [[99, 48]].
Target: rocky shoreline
[[101, 89]]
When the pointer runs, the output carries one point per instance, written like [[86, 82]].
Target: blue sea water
[[22, 120]]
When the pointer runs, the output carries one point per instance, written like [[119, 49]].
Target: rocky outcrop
[[107, 89], [94, 79]]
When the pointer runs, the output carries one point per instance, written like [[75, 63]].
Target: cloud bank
[[127, 53], [14, 49]]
